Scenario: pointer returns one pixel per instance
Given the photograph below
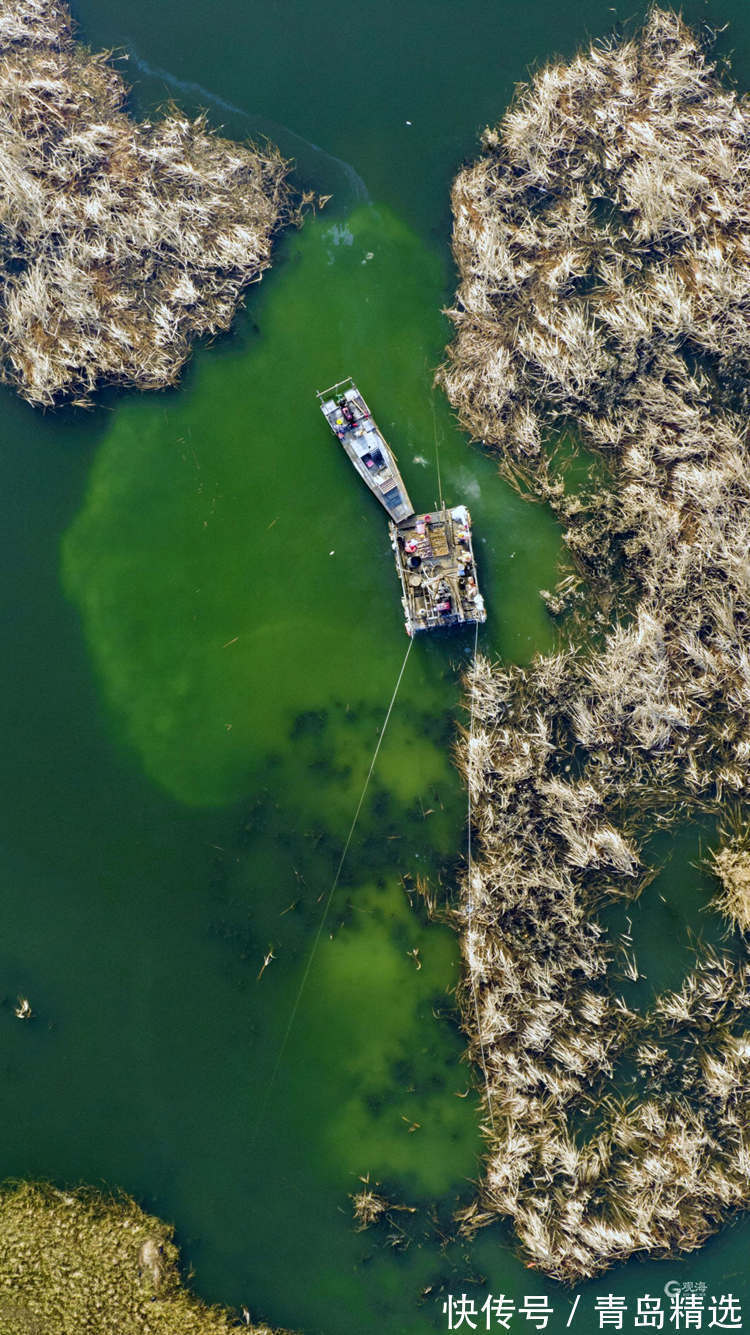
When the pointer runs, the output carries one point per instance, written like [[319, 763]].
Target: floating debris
[[369, 1205], [267, 958], [605, 277]]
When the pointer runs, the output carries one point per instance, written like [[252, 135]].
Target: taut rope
[[470, 896], [326, 907]]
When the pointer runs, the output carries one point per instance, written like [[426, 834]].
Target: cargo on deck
[[435, 562], [434, 553]]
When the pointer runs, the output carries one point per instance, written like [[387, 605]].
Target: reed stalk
[[122, 242], [602, 246], [81, 1263]]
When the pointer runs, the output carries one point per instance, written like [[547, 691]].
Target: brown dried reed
[[121, 242], [731, 864], [602, 244], [83, 1263]]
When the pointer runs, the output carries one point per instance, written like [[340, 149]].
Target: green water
[[202, 633]]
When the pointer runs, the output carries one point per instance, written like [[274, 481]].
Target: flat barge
[[435, 563], [434, 552]]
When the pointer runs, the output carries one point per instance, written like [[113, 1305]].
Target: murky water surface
[[202, 634]]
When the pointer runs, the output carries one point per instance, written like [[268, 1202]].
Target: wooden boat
[[435, 563], [352, 423]]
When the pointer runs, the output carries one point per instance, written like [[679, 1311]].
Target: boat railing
[[331, 393]]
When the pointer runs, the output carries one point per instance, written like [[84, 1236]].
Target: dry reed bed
[[80, 1263], [603, 244], [121, 242]]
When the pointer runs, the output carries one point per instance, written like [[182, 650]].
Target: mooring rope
[[437, 451], [326, 907], [470, 897]]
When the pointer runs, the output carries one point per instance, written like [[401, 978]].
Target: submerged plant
[[602, 246], [121, 241]]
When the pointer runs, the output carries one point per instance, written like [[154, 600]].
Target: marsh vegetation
[[122, 241], [602, 245], [81, 1263]]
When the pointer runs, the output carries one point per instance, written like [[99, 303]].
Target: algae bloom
[[122, 242], [602, 245], [201, 565]]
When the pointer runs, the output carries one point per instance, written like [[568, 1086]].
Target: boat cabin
[[352, 423]]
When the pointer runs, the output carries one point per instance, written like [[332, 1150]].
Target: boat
[[352, 423], [435, 562], [434, 552]]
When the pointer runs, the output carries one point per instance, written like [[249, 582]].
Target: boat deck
[[434, 553], [435, 562], [352, 423]]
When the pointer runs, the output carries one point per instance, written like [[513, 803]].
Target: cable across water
[[437, 451], [470, 895], [326, 907]]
